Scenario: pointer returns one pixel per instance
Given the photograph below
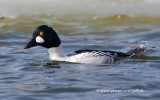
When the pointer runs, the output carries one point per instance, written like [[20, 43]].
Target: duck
[[47, 37]]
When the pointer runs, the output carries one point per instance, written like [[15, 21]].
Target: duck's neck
[[55, 53]]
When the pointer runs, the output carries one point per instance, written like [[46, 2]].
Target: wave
[[99, 8]]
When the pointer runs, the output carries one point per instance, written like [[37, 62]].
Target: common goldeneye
[[46, 37]]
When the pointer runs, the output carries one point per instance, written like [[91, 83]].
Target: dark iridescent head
[[44, 36]]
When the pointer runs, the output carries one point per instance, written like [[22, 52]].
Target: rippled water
[[106, 25]]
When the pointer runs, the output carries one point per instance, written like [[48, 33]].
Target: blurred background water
[[95, 24]]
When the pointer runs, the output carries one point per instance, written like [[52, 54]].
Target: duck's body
[[86, 56], [45, 36]]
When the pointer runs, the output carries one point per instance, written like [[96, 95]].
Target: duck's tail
[[141, 50]]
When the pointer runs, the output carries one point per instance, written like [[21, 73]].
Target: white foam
[[143, 44]]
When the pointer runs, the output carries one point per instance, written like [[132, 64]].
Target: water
[[95, 24]]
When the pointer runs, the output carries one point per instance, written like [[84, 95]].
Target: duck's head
[[44, 36]]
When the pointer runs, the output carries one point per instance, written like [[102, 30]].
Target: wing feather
[[103, 53]]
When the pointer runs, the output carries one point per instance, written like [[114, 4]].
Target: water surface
[[95, 24]]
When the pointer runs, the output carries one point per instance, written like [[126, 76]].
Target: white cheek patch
[[39, 39]]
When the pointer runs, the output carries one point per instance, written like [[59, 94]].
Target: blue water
[[29, 75]]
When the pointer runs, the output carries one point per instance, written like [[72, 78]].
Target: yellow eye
[[41, 33]]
